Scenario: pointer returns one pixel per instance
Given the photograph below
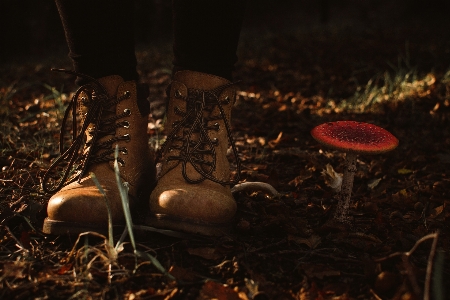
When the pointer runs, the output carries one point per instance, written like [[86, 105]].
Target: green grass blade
[[123, 190], [110, 225], [155, 262], [438, 280]]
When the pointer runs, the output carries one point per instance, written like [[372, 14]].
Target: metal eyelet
[[127, 137], [177, 110], [127, 94], [124, 151], [217, 126], [126, 124], [177, 94], [127, 111], [226, 100]]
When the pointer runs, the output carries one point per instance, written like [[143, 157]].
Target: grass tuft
[[402, 83], [108, 208], [123, 189], [389, 88]]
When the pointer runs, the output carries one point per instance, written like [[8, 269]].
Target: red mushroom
[[352, 138]]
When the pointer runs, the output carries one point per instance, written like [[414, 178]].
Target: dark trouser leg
[[100, 38], [206, 34]]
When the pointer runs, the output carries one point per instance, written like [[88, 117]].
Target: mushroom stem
[[346, 189]]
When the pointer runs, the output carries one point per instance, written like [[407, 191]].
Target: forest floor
[[295, 73]]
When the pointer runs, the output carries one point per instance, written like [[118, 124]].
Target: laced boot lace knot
[[189, 141], [92, 143]]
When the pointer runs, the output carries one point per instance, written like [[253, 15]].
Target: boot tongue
[[111, 83]]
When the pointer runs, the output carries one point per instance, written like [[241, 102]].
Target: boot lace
[[189, 136], [81, 153]]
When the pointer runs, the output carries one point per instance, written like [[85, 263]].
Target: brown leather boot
[[193, 193], [113, 113]]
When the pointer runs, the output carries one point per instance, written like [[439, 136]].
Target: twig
[[171, 233], [73, 251], [255, 186], [18, 242], [411, 276], [375, 295], [410, 252], [409, 270], [426, 292]]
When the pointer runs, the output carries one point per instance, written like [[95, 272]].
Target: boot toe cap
[[194, 203], [72, 205]]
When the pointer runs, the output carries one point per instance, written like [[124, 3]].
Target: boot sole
[[162, 221], [55, 227]]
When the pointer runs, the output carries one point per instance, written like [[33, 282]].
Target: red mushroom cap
[[357, 137]]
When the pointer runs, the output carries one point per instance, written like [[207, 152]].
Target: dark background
[[30, 27]]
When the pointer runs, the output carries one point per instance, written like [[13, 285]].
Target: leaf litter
[[283, 245]]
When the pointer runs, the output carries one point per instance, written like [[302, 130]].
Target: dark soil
[[295, 72]]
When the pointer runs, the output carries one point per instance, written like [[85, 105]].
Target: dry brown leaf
[[274, 143], [215, 290], [435, 212], [312, 242], [205, 252], [319, 271], [13, 269], [183, 274], [332, 178]]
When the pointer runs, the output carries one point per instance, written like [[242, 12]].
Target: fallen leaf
[[404, 198], [436, 211], [358, 240], [205, 252], [14, 269], [312, 242], [319, 271], [275, 142], [215, 290], [332, 178], [293, 151], [64, 268], [373, 183], [404, 171], [25, 239], [304, 175], [182, 274]]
